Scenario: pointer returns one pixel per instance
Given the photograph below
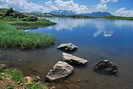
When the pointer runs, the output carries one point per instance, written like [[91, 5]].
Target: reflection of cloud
[[67, 23], [101, 26], [102, 29], [108, 33], [122, 23]]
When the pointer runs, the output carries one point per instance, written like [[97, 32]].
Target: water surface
[[97, 39]]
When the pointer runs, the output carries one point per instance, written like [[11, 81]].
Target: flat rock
[[67, 47], [60, 70], [73, 59]]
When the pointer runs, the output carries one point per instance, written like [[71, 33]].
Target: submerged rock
[[3, 66], [60, 70], [106, 66], [73, 59], [67, 47]]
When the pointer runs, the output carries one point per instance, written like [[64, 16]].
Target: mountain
[[66, 12], [62, 12], [97, 14]]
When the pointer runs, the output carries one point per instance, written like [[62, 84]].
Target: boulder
[[67, 47], [60, 70], [73, 59], [106, 66]]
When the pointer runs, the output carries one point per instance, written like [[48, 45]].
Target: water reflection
[[100, 27], [123, 23], [67, 23], [97, 39]]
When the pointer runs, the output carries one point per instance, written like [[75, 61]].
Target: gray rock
[[73, 59], [67, 47], [60, 70], [106, 66]]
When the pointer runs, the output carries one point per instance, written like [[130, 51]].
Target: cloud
[[4, 6], [67, 5], [24, 5], [29, 6], [124, 12], [103, 5]]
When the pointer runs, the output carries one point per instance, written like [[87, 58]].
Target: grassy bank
[[14, 79], [31, 25], [19, 24], [118, 18], [23, 20], [10, 37]]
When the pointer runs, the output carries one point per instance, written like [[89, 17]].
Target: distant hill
[[66, 12], [62, 12], [97, 14]]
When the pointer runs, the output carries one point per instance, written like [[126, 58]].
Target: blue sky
[[116, 7]]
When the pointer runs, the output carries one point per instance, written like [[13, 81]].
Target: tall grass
[[13, 38]]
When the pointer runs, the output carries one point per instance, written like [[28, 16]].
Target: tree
[[9, 12]]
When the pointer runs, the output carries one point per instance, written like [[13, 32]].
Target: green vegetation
[[118, 18], [10, 37], [14, 79], [65, 16], [77, 16], [30, 25], [23, 20]]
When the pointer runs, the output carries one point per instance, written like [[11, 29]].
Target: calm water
[[97, 39]]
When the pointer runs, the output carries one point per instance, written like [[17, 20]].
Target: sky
[[116, 7]]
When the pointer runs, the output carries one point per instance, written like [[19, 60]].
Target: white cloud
[[103, 5], [124, 12], [29, 6], [104, 1], [24, 5], [67, 5], [4, 6]]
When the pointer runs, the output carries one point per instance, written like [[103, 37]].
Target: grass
[[10, 37], [19, 24], [118, 18], [30, 24], [16, 75], [14, 79]]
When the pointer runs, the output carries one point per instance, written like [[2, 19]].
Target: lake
[[97, 39]]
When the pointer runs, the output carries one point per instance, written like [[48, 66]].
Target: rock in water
[[73, 59], [60, 70], [67, 47], [3, 66], [106, 66]]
